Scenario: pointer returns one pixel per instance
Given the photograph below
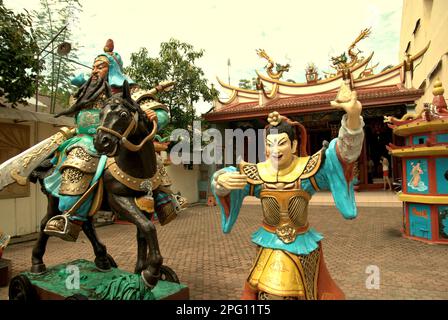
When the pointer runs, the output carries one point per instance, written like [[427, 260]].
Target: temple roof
[[314, 103], [385, 88]]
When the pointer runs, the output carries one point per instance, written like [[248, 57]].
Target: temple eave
[[419, 151], [288, 106]]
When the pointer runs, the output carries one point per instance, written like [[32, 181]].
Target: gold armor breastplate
[[284, 203], [285, 212]]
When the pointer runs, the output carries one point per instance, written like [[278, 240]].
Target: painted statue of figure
[[77, 165], [289, 263]]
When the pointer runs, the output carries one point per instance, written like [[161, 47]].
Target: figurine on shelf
[[290, 263]]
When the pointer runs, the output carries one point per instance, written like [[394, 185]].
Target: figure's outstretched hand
[[352, 107], [232, 180]]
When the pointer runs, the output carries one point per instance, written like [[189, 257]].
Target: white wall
[[20, 216], [185, 181]]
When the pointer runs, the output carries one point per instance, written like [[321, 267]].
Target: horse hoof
[[149, 279], [102, 264], [112, 262], [38, 268]]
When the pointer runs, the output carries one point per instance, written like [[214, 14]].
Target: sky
[[291, 31]]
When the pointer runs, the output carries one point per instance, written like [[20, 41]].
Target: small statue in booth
[[290, 263]]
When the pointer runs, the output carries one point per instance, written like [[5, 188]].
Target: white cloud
[[291, 31]]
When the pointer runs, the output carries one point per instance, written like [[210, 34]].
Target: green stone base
[[115, 284]]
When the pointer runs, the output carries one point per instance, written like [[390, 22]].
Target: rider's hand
[[232, 180], [151, 114]]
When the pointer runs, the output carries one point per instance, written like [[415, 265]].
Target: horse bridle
[[131, 127]]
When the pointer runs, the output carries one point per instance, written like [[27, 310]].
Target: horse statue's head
[[122, 124]]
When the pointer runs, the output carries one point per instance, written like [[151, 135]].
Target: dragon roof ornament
[[279, 69]]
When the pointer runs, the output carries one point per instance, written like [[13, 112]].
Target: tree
[[248, 84], [18, 51], [52, 17], [176, 62]]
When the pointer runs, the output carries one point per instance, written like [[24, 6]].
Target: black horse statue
[[125, 135]]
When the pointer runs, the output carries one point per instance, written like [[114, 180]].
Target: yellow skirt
[[281, 273]]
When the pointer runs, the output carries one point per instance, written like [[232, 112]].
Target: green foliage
[[18, 51], [52, 16], [248, 84], [176, 62]]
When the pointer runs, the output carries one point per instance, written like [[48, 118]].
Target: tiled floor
[[214, 265]]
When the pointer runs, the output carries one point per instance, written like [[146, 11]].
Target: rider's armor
[[77, 172], [81, 163], [278, 273]]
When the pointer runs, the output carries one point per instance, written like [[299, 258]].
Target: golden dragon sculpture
[[341, 62], [280, 69]]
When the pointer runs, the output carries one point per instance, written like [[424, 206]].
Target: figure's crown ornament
[[274, 118]]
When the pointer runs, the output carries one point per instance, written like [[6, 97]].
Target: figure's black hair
[[283, 127]]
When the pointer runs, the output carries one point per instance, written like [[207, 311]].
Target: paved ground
[[215, 265]]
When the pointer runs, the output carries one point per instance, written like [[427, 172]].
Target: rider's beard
[[86, 95], [91, 92]]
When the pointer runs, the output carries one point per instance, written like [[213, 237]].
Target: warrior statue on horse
[[107, 161]]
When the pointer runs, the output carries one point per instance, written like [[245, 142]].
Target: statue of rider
[[77, 165]]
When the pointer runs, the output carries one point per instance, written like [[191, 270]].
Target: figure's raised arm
[[341, 156], [351, 134]]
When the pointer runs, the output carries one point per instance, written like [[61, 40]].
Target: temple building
[[389, 92]]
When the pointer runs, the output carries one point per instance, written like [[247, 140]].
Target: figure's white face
[[280, 150]]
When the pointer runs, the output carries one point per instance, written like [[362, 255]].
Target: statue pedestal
[[5, 272], [80, 280]]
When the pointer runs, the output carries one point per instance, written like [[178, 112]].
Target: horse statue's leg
[[142, 252], [37, 263], [103, 261], [126, 207]]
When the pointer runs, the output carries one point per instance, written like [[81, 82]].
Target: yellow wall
[[20, 216], [433, 15]]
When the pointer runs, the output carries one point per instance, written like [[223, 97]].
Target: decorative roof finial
[[438, 88], [439, 99]]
